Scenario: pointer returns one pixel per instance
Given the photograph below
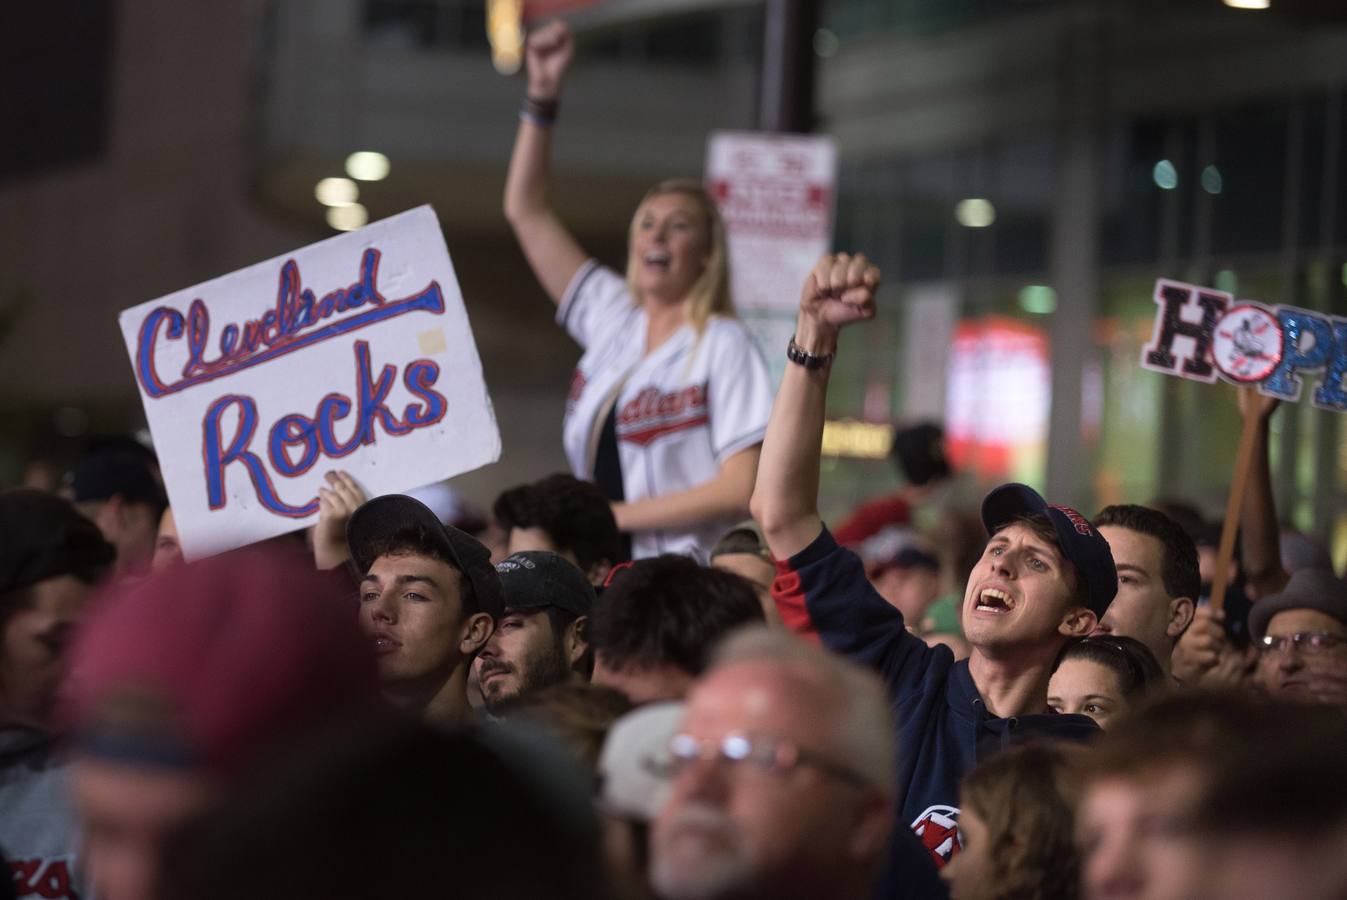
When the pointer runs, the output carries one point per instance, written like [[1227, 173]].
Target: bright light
[[505, 31], [1211, 180], [825, 43], [337, 192], [1039, 299], [975, 213], [1166, 177], [862, 440], [1247, 4], [367, 165], [347, 218]]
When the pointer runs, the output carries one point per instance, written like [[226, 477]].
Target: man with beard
[[540, 639]]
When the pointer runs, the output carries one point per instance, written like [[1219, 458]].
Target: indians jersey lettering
[[682, 410]]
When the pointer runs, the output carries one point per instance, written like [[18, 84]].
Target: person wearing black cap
[[540, 640], [1301, 636], [429, 601], [1045, 577], [117, 487], [50, 559]]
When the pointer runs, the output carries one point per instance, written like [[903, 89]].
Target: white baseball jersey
[[681, 410]]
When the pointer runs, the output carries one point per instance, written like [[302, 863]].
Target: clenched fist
[[547, 54]]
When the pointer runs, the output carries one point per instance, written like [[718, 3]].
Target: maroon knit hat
[[204, 665]]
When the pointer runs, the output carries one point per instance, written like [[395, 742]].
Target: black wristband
[[802, 357], [540, 111]]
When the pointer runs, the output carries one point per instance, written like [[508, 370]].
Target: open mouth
[[657, 258], [994, 600]]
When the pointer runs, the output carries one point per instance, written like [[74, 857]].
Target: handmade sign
[[1204, 334], [352, 353]]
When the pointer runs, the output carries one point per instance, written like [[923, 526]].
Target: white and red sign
[[352, 353], [775, 193]]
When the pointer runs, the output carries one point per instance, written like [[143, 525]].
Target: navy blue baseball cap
[[1081, 543]]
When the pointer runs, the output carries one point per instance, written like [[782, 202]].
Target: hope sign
[[1203, 334], [353, 353]]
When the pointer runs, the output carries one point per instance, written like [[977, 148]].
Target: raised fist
[[548, 54], [840, 290]]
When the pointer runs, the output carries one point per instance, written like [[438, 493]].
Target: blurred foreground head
[[182, 682], [1217, 796], [1017, 826], [51, 558], [393, 808], [783, 777]]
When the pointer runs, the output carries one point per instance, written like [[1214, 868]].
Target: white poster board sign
[[775, 193], [352, 353]]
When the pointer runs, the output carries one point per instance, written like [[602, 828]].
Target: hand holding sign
[[1202, 334], [336, 503]]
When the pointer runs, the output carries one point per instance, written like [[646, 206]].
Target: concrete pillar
[[1074, 249]]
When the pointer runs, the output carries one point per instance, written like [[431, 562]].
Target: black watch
[[802, 357]]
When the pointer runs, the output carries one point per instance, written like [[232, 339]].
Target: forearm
[[785, 498], [1260, 536], [528, 180], [724, 497]]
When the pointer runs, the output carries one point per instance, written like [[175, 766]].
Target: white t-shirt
[[681, 410]]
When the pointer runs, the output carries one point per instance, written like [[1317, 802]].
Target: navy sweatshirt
[[944, 728]]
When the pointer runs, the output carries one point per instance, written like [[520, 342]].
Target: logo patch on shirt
[[938, 829], [650, 414], [47, 878]]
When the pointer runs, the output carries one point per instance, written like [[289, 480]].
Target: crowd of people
[[663, 675]]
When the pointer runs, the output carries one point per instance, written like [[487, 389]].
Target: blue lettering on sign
[[314, 436], [1311, 344], [276, 332], [1300, 355]]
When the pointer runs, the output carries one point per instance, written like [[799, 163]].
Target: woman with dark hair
[[669, 403], [1017, 825], [1103, 677]]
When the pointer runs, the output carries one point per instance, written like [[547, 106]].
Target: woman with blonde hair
[[669, 403]]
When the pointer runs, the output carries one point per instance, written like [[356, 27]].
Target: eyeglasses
[[765, 754], [1308, 641]]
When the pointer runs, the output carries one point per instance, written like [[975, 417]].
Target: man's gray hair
[[862, 724]]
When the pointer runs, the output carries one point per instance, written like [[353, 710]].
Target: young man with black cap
[[1045, 577], [50, 559], [429, 601], [540, 639]]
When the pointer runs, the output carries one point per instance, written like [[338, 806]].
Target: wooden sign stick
[[1243, 463]]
